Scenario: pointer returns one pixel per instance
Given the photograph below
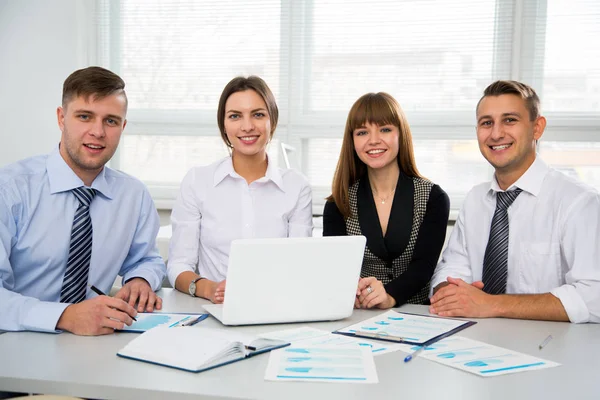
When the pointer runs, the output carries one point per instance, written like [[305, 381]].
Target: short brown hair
[[92, 81], [241, 84], [379, 109], [532, 101]]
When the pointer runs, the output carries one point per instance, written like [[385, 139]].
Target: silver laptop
[[290, 280]]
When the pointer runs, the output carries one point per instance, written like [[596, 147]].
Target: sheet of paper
[[408, 327], [347, 364], [147, 321], [479, 358], [316, 337]]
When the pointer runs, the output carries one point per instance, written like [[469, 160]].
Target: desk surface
[[88, 366]]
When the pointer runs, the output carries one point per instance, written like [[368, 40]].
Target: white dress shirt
[[216, 205], [554, 240]]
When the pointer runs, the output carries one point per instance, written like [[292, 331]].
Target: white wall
[[41, 43]]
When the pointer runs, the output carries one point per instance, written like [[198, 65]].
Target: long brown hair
[[378, 109]]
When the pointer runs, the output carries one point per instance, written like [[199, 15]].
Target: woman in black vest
[[378, 192]]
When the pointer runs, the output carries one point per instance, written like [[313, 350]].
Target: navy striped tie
[[495, 260], [80, 252]]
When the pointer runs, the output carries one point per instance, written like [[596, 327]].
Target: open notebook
[[195, 349]]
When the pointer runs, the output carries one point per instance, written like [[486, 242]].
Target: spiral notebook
[[195, 349]]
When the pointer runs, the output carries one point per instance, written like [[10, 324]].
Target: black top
[[430, 239]]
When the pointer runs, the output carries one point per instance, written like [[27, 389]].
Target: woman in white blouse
[[242, 196]]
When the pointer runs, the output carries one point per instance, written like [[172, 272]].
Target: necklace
[[383, 199]]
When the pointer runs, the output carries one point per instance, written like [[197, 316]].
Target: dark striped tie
[[495, 261], [76, 274]]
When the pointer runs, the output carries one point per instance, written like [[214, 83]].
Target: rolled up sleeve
[[580, 295]]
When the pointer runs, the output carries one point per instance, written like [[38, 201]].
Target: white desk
[[88, 366]]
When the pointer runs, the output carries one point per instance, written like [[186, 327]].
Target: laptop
[[290, 280]]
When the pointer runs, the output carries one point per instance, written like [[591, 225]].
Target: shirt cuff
[[174, 270], [43, 317], [574, 305]]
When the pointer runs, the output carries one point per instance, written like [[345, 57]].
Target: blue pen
[[195, 321], [414, 354], [178, 322]]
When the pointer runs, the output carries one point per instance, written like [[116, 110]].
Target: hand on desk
[[460, 299], [375, 297], [218, 293], [98, 316], [139, 290]]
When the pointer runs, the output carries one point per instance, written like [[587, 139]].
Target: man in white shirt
[[524, 245]]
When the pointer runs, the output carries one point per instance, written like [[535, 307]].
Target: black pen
[[100, 293]]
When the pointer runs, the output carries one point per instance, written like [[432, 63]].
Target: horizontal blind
[[318, 57]]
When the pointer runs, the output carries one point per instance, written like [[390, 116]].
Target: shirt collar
[[531, 181], [62, 178], [225, 169]]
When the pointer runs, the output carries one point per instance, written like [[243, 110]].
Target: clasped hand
[[375, 297], [461, 299]]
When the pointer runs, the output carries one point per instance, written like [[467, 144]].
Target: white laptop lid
[[291, 280]]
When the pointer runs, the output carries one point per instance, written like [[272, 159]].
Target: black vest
[[388, 257]]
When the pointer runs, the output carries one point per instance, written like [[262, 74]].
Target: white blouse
[[216, 205]]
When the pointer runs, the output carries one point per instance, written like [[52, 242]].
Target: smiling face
[[91, 130], [506, 135], [377, 145], [247, 123]]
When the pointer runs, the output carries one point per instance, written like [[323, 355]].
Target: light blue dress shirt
[[36, 216]]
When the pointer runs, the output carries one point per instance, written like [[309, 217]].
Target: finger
[[117, 316], [456, 281], [446, 291], [105, 331], [121, 305], [143, 299], [150, 302], [368, 298], [123, 293], [158, 304], [364, 282], [133, 295], [378, 299], [445, 304], [457, 312], [478, 285], [113, 324], [356, 303]]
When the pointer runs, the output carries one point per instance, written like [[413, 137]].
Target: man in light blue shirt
[[37, 227]]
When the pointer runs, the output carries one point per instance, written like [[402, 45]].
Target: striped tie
[[495, 261], [80, 252]]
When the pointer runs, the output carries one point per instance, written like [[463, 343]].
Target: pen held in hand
[[101, 293], [414, 354]]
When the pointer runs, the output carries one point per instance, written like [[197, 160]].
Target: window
[[318, 57]]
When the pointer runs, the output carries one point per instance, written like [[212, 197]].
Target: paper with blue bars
[[479, 358], [345, 364]]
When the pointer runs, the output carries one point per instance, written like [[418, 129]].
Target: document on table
[[405, 328], [479, 358], [307, 336], [146, 321], [347, 364]]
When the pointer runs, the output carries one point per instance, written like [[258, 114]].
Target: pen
[[176, 323], [380, 335], [100, 293], [414, 354], [195, 321], [545, 342]]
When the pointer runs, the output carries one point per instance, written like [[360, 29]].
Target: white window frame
[[296, 127]]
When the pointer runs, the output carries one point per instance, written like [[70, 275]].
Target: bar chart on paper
[[349, 364]]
